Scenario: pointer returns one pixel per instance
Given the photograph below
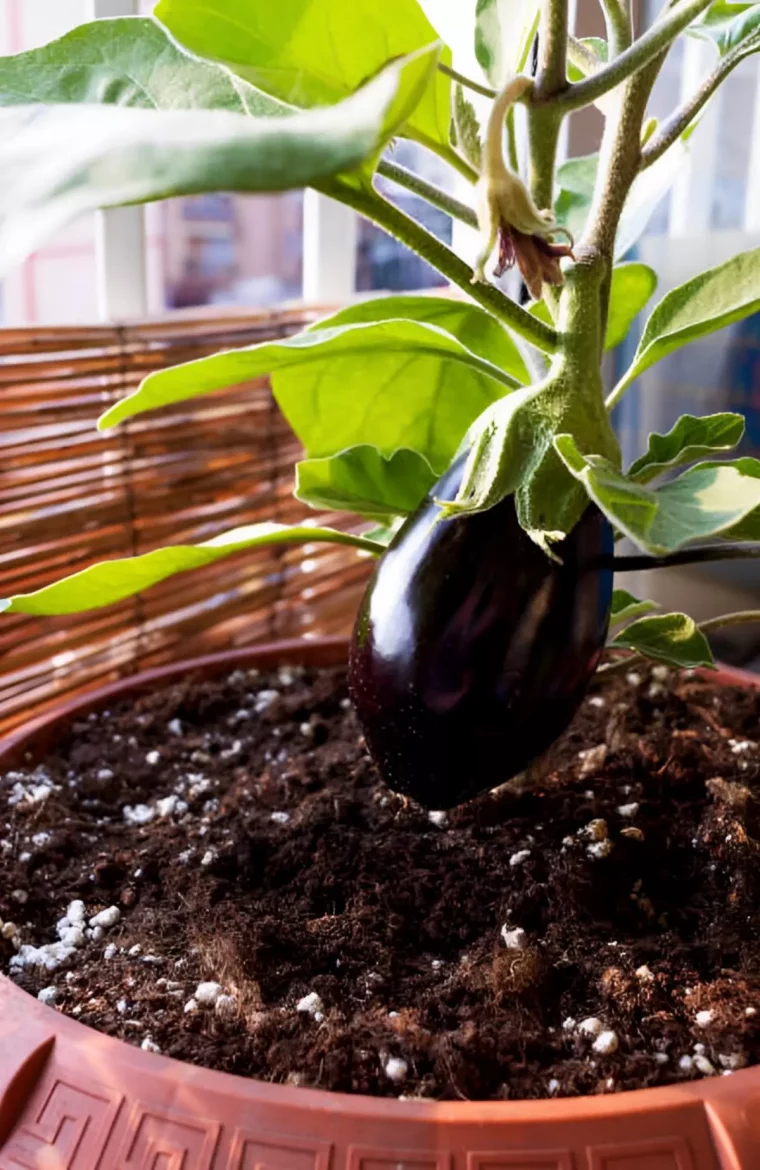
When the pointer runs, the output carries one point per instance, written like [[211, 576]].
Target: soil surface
[[217, 872]]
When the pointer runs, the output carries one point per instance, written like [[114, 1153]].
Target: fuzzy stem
[[618, 22], [673, 127], [551, 74], [467, 82], [630, 62], [371, 205], [427, 191]]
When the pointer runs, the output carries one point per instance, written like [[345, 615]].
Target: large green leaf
[[632, 286], [391, 384], [710, 301], [477, 330], [703, 502], [691, 438], [112, 581], [625, 606], [673, 638], [364, 480], [314, 52], [128, 61], [58, 161], [504, 32]]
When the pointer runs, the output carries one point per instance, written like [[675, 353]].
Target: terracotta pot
[[71, 1099]]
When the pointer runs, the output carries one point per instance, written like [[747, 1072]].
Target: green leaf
[[315, 52], [701, 503], [625, 606], [365, 481], [688, 440], [710, 301], [576, 179], [128, 61], [59, 161], [632, 286], [596, 45], [111, 581], [477, 330], [672, 638], [511, 450], [467, 129], [729, 26], [391, 384], [504, 32]]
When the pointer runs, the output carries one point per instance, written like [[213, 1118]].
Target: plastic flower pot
[[72, 1099]]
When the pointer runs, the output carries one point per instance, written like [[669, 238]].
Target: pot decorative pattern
[[73, 1099]]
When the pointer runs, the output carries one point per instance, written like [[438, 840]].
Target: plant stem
[[467, 82], [544, 120], [581, 56], [686, 556], [397, 223], [619, 161], [740, 618], [452, 156], [618, 22], [427, 191], [551, 74], [673, 127], [633, 59]]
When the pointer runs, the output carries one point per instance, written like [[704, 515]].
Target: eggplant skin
[[472, 649]]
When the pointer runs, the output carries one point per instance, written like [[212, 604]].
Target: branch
[[544, 115], [619, 160], [581, 56], [467, 82], [428, 191], [371, 205], [551, 74], [649, 46], [687, 556], [617, 19], [673, 127]]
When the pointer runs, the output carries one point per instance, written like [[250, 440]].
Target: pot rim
[[325, 651]]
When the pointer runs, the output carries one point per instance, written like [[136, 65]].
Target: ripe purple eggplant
[[472, 648]]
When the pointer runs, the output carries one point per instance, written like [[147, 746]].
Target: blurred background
[[273, 251]]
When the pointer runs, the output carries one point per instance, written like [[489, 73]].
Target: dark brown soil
[[359, 944]]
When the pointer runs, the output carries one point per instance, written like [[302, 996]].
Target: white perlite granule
[[106, 918], [514, 940], [606, 1043], [396, 1069], [206, 994], [591, 1026], [311, 1004], [519, 857]]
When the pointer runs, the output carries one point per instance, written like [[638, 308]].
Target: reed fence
[[70, 496]]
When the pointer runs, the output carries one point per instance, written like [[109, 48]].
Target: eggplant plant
[[469, 433]]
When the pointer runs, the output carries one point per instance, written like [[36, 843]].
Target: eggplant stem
[[687, 556]]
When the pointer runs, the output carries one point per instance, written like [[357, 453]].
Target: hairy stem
[[467, 82], [673, 127], [551, 72], [428, 191], [371, 205], [633, 59], [617, 19], [619, 161]]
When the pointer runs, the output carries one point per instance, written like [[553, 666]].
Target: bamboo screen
[[70, 496]]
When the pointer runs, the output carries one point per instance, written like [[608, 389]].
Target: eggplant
[[472, 648]]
